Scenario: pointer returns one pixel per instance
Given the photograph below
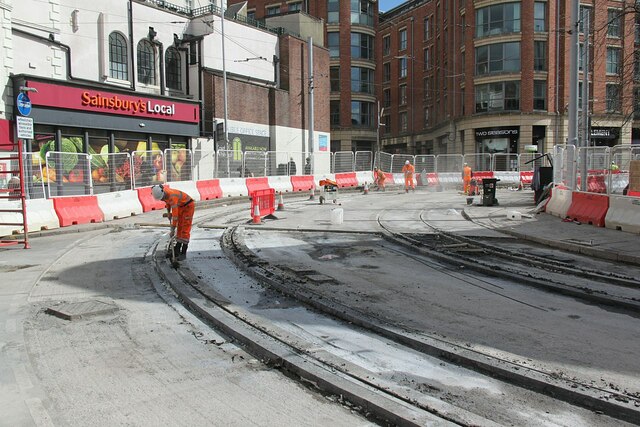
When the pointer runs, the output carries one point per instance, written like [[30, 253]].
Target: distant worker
[[180, 207], [378, 179], [614, 167], [466, 178], [408, 170]]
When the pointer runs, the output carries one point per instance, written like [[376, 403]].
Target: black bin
[[489, 191]]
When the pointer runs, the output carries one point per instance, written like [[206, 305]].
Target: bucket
[[337, 216]]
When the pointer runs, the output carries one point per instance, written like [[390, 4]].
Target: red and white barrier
[[76, 210], [40, 216], [281, 184], [346, 180], [302, 183], [188, 187], [209, 189], [589, 208], [364, 177], [233, 187], [120, 204], [623, 214], [450, 179], [560, 202], [508, 178]]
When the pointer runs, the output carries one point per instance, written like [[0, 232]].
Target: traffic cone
[[256, 214], [281, 203], [366, 188], [313, 193]]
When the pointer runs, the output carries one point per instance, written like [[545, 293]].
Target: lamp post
[[380, 113]]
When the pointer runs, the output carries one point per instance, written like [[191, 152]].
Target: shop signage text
[[133, 106], [496, 132]]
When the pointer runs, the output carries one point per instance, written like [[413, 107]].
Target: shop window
[[118, 66], [173, 69], [146, 63]]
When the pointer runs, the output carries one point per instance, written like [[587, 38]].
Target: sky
[[386, 5]]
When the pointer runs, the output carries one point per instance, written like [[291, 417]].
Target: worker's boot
[[183, 252], [176, 250]]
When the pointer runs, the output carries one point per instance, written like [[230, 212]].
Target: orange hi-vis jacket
[[408, 170], [181, 207]]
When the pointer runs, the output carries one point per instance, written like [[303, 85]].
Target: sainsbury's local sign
[[99, 101]]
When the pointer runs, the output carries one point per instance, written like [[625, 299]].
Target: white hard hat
[[407, 162], [157, 191]]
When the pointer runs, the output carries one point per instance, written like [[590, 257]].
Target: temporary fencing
[[265, 202], [69, 174], [343, 161], [363, 161], [229, 164], [178, 164], [278, 163], [255, 163], [398, 161], [111, 172], [148, 168], [204, 164]]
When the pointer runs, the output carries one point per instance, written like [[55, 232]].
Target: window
[[402, 89], [583, 10], [363, 113], [636, 103], [361, 46], [498, 58], [539, 20], [173, 66], [613, 98], [613, 25], [402, 39], [293, 7], [613, 60], [362, 12], [427, 87], [501, 96], [386, 124], [146, 63], [333, 43], [386, 98], [426, 29], [362, 80], [386, 72], [426, 117], [636, 65], [404, 122], [273, 10], [334, 113], [637, 28], [426, 59], [333, 9], [539, 56], [251, 15], [402, 67], [334, 79], [580, 94], [118, 66], [498, 19], [540, 95], [386, 45]]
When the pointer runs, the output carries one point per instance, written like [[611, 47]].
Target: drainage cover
[[81, 309]]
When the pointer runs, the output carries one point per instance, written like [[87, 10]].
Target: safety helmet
[[407, 162], [157, 191]]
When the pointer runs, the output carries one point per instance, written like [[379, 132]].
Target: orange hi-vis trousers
[[181, 208]]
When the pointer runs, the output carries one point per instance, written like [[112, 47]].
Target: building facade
[[350, 36]]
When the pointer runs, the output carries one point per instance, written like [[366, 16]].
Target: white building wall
[[6, 60]]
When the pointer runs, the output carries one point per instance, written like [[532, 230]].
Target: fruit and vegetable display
[[71, 165]]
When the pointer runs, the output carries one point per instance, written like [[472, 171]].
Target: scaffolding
[[13, 205]]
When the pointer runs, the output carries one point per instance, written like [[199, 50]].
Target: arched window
[[173, 69], [118, 66], [146, 63]]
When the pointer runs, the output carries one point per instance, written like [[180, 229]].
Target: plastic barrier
[[390, 179], [623, 214], [618, 183], [596, 184], [148, 202], [233, 187], [302, 182], [40, 216], [398, 178], [77, 210], [281, 183], [346, 180], [450, 179], [589, 208], [264, 200], [480, 175], [209, 189], [188, 187], [119, 204], [508, 178], [364, 177], [432, 179], [255, 184], [526, 178], [633, 193], [560, 202]]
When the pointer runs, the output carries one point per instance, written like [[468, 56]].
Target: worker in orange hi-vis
[[408, 170], [180, 207], [378, 179], [466, 178]]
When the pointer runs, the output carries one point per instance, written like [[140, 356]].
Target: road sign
[[25, 127], [24, 104]]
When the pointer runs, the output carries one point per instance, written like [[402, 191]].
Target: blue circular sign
[[24, 104]]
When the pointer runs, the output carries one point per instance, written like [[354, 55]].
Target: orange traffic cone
[[256, 214], [281, 203], [366, 188]]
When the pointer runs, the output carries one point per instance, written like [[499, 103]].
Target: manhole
[[81, 309]]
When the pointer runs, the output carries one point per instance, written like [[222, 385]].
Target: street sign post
[[24, 104]]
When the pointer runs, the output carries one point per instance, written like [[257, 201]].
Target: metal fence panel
[[321, 162], [564, 166], [478, 162], [69, 174], [398, 161], [111, 172], [255, 164], [204, 164], [229, 163], [504, 162], [383, 161], [343, 161], [178, 164], [148, 168], [363, 161], [277, 163], [296, 162], [36, 175], [449, 163], [621, 156], [425, 163]]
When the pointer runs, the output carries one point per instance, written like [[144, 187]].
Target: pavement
[[43, 360]]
